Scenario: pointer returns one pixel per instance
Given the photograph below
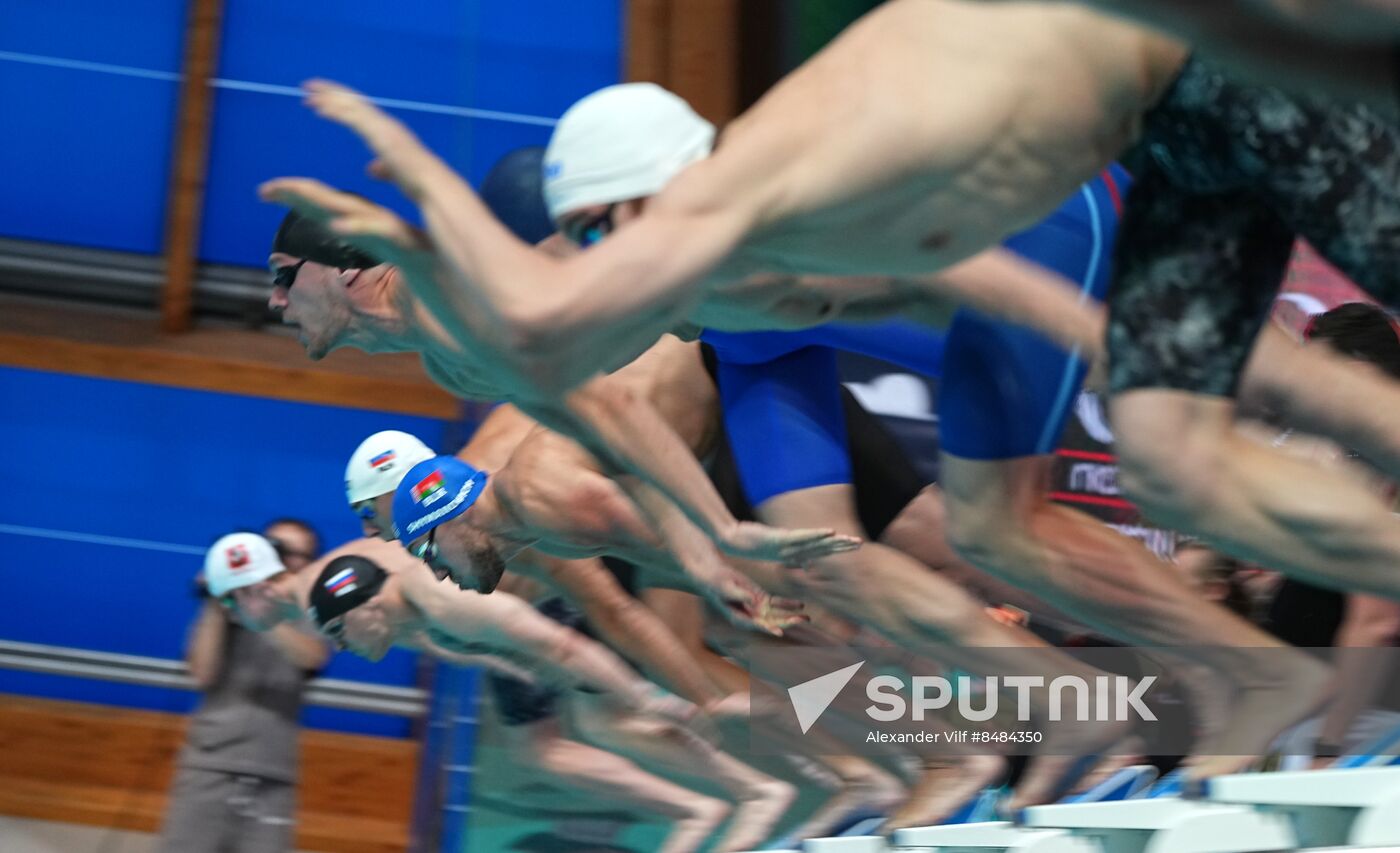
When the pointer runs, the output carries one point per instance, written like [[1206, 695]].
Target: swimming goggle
[[591, 231]]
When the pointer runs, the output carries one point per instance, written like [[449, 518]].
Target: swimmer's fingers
[[380, 227], [400, 156], [364, 224], [776, 620], [310, 198], [814, 544], [790, 547]]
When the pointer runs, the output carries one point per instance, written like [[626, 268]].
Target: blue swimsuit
[[1005, 391]]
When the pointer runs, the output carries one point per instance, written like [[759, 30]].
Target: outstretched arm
[[506, 625], [736, 596], [627, 625], [425, 644], [631, 433], [556, 322]]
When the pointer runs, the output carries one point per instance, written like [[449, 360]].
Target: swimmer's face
[[312, 297], [365, 631], [376, 516], [463, 553]]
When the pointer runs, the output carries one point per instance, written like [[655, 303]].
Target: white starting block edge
[[992, 836], [1357, 789], [1178, 826], [852, 844], [1326, 806]]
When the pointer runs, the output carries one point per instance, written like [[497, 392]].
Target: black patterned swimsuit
[[1233, 173]]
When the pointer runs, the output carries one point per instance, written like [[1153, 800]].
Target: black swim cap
[[305, 238], [344, 584], [514, 191]]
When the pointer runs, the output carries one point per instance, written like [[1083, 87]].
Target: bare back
[[928, 131]]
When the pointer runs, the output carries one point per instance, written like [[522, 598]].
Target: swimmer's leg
[[1003, 521], [694, 817], [1002, 409], [921, 531], [856, 786], [668, 748], [1317, 391], [926, 613], [1196, 277]]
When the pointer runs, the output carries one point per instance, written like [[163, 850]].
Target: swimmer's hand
[[364, 224], [748, 606], [399, 155], [789, 547]]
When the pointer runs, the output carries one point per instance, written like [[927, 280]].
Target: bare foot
[[946, 786], [1264, 706], [1071, 750], [690, 832], [758, 813], [1124, 755], [873, 792]]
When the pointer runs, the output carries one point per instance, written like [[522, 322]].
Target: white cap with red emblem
[[238, 560]]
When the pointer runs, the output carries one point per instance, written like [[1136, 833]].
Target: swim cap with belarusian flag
[[380, 462], [305, 238], [433, 492], [344, 584], [620, 143]]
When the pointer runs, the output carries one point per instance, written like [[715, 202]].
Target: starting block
[[1168, 826], [1324, 808], [990, 837], [854, 844], [1130, 783]]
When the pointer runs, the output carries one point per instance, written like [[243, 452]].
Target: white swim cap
[[239, 560], [380, 462], [619, 143]]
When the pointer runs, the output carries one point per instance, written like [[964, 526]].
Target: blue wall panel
[[95, 142], [530, 58], [88, 151], [113, 490]]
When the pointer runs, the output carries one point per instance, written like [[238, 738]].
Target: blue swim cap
[[432, 492], [514, 191]]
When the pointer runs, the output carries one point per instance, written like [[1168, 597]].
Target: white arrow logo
[[811, 698]]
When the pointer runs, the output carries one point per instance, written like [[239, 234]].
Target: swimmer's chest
[[916, 227]]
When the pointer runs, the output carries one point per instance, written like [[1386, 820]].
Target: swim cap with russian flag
[[344, 584], [623, 142], [380, 462], [433, 492], [238, 560]]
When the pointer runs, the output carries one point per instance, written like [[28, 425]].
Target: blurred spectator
[[235, 789]]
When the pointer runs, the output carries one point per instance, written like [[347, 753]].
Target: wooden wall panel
[[691, 47], [108, 344], [185, 204], [103, 766]]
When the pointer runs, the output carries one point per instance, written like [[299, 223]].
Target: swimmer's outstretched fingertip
[[275, 190], [848, 543]]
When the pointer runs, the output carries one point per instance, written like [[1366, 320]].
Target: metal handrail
[[162, 672], [126, 278]]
